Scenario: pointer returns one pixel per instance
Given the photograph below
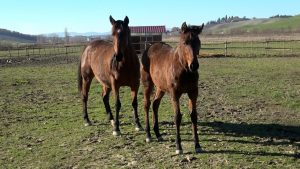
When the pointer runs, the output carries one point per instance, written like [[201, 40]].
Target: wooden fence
[[41, 50], [250, 48], [235, 49]]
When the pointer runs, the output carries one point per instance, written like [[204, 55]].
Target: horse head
[[189, 45], [121, 35]]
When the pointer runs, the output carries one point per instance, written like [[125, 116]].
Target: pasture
[[248, 108]]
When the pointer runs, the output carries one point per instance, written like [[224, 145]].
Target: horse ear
[[126, 20], [183, 27], [111, 19], [200, 28]]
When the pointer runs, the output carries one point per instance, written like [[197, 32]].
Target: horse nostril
[[118, 57], [194, 66]]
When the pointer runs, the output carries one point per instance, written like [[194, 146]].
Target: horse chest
[[186, 81]]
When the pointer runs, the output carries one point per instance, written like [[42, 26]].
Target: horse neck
[[129, 51], [178, 59]]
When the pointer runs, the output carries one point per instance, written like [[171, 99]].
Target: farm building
[[143, 36]]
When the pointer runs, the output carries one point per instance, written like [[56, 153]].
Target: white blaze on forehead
[[120, 29]]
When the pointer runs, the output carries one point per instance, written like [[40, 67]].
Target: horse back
[[96, 59], [156, 54]]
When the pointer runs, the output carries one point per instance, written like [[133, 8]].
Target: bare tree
[[67, 37]]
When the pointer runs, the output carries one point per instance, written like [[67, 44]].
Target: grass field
[[249, 111]]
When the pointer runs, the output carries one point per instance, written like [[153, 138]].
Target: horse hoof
[[160, 139], [112, 122], [148, 140], [116, 133], [138, 129], [198, 150], [88, 124], [179, 152]]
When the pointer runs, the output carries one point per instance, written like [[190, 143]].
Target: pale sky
[[47, 16]]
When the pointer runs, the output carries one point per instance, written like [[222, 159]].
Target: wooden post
[[266, 48], [67, 50], [18, 50], [283, 48], [252, 47], [225, 48]]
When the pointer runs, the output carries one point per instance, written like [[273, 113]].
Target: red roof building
[[143, 36], [147, 29]]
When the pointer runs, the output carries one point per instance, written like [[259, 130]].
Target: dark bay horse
[[113, 65], [175, 71]]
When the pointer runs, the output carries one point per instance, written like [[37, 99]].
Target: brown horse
[[174, 71], [113, 65]]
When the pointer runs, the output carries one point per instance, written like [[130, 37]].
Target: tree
[[67, 37]]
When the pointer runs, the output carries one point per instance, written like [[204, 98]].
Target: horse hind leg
[[158, 96], [86, 83], [105, 96], [148, 88], [138, 126]]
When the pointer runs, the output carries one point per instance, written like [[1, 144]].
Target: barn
[[143, 36]]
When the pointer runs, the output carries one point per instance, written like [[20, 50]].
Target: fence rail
[[40, 50], [240, 49]]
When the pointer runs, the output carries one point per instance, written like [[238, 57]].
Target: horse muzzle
[[119, 56], [194, 66]]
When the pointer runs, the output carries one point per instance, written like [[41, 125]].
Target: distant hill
[[268, 25], [87, 34], [12, 36]]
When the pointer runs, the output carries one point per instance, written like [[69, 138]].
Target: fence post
[[67, 50], [225, 48], [251, 48], [266, 48], [27, 54], [283, 48], [18, 49]]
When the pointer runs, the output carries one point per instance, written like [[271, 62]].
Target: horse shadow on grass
[[283, 133], [267, 134], [264, 134]]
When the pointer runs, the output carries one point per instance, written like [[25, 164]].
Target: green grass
[[262, 26], [248, 118]]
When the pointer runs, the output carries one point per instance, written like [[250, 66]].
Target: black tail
[[79, 77], [146, 61]]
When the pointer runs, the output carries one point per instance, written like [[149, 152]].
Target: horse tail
[[145, 71], [146, 61]]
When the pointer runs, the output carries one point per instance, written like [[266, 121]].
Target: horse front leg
[[134, 104], [194, 116], [116, 128], [177, 120]]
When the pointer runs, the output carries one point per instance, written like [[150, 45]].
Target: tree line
[[7, 34]]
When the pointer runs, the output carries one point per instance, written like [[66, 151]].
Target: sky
[[48, 16]]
